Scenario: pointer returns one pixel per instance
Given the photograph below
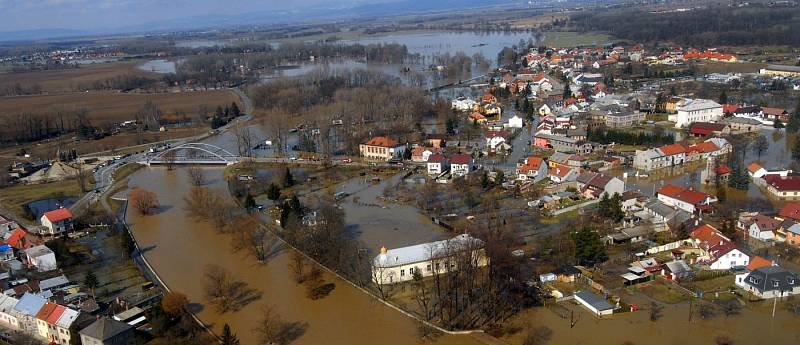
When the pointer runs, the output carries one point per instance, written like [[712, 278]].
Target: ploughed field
[[76, 79]]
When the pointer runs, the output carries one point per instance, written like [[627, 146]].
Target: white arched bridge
[[193, 153]]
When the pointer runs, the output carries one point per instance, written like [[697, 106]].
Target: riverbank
[[179, 248]]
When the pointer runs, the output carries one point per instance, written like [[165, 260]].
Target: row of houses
[[779, 183], [678, 154], [783, 227]]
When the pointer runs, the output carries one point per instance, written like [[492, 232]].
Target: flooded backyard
[[179, 248]]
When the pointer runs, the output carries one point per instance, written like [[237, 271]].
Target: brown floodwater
[[179, 248], [753, 326]]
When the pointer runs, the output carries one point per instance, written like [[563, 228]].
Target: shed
[[594, 303]]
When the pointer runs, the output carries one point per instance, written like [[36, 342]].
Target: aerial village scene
[[540, 173]]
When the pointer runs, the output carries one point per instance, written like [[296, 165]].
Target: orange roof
[[706, 146], [531, 164], [382, 141], [477, 116], [723, 169], [670, 190], [417, 151], [708, 234], [729, 108], [758, 262], [46, 310], [56, 314], [791, 210], [560, 170], [753, 167], [672, 149], [773, 111], [58, 215]]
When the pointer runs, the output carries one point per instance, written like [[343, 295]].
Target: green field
[[572, 39]]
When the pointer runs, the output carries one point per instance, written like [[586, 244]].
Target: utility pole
[[691, 300], [774, 305]]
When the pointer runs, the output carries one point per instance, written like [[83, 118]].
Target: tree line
[[713, 25], [608, 136]]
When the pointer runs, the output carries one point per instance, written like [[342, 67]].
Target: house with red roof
[[531, 169], [790, 211], [689, 200], [763, 227], [437, 164], [460, 165], [728, 108], [21, 239], [718, 251], [704, 129], [478, 118], [421, 154], [773, 114], [381, 148], [560, 173], [56, 222], [784, 187]]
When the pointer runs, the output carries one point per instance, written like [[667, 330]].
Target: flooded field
[[178, 248], [753, 326], [158, 66], [379, 223]]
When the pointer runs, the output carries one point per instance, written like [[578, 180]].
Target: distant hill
[[38, 34]]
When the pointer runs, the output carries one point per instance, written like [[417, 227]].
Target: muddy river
[[178, 248]]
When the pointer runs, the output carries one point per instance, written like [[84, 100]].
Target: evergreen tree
[[723, 97], [604, 207], [228, 337], [249, 202], [567, 91], [796, 149], [589, 249], [794, 120], [273, 192], [485, 180], [288, 179], [499, 177], [235, 112], [778, 124], [615, 205], [296, 207], [90, 281]]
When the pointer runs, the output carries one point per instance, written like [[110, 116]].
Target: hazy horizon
[[94, 15]]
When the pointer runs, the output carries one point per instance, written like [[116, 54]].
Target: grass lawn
[[718, 283], [663, 293], [126, 170], [14, 198]]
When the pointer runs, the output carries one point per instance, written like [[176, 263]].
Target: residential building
[[107, 331], [560, 173], [515, 122], [756, 170], [595, 185], [531, 169], [615, 116], [662, 213], [437, 164], [790, 211], [662, 157], [7, 318], [478, 118], [763, 227], [25, 311], [792, 234], [696, 110], [41, 258], [398, 265], [718, 251], [63, 326], [460, 165], [704, 129], [740, 125], [420, 154], [495, 140], [463, 104], [781, 71], [775, 114], [381, 148], [676, 270], [784, 187], [688, 200], [46, 318], [771, 282], [56, 222]]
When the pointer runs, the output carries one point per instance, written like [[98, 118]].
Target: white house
[[756, 170], [561, 173], [728, 258], [41, 257], [463, 104], [763, 227], [531, 169], [696, 110], [63, 325], [596, 304], [382, 148], [7, 318], [398, 265], [460, 165], [685, 199], [437, 164], [495, 140], [56, 221], [771, 282], [515, 122], [25, 311]]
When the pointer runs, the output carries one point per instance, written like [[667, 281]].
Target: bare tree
[[253, 237], [272, 329], [225, 293], [196, 175], [170, 157], [143, 200], [297, 266]]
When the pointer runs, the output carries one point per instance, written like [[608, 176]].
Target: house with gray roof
[[25, 311], [771, 282], [106, 331]]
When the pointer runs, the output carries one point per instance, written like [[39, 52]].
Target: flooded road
[[179, 248], [379, 223]]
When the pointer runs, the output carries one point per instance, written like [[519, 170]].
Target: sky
[[94, 15]]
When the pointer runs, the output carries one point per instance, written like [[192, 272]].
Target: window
[[402, 272], [775, 283], [428, 268]]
